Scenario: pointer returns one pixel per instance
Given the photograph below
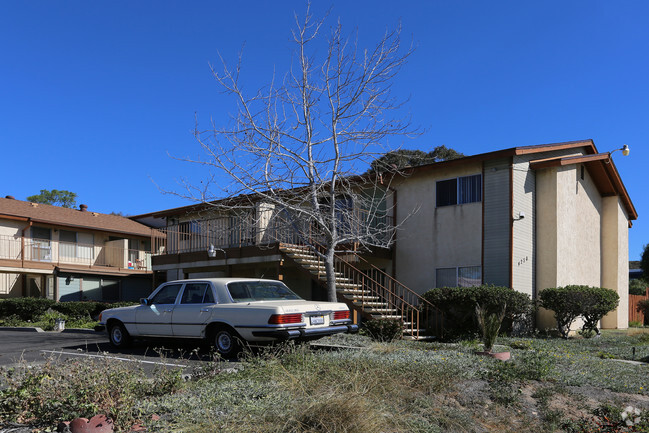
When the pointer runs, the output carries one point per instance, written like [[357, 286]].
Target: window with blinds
[[460, 190], [461, 276]]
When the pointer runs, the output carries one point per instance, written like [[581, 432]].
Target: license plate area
[[316, 320]]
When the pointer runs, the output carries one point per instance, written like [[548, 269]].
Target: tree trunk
[[331, 275]]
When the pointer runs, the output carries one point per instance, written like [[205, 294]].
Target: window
[[248, 291], [197, 293], [166, 295], [461, 190], [465, 276], [67, 243]]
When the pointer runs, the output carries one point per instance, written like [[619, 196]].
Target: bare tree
[[293, 150]]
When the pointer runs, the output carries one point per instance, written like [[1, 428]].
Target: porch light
[[211, 252]]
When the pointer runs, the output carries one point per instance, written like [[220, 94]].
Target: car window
[[248, 291], [166, 295], [197, 293], [209, 296]]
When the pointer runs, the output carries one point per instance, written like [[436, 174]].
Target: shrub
[[384, 330], [638, 286], [643, 307], [458, 305], [597, 303], [79, 310], [31, 309], [571, 302], [27, 309]]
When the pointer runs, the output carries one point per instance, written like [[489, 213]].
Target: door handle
[[205, 310], [168, 311]]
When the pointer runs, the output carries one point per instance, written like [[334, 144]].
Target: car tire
[[226, 342], [118, 335]]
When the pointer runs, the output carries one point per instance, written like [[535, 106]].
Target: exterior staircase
[[370, 291]]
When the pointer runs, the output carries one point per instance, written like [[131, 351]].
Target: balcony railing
[[72, 253], [237, 232]]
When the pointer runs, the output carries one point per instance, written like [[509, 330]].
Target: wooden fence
[[634, 314]]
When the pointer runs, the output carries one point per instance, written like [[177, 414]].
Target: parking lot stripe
[[88, 355]]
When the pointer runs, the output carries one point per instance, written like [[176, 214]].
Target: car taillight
[[282, 319], [341, 315], [100, 314]]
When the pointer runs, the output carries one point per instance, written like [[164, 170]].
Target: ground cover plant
[[550, 384]]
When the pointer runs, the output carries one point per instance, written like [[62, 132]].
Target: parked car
[[227, 312]]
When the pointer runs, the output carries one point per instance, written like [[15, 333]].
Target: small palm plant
[[489, 325]]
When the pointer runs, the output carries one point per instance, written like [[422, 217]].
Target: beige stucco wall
[[579, 208], [582, 239], [615, 259], [433, 237]]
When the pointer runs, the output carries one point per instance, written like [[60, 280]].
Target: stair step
[[385, 316], [355, 297], [382, 311], [364, 303]]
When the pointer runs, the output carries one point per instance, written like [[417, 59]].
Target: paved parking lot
[[32, 347]]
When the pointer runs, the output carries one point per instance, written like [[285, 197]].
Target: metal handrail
[[413, 309]]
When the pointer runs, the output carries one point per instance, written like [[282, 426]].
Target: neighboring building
[[72, 255], [635, 272], [528, 218]]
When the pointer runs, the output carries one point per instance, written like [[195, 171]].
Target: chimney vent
[[83, 207], [10, 197]]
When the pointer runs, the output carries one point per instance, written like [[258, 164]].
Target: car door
[[192, 312], [155, 317]]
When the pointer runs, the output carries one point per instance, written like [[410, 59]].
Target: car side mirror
[[144, 301]]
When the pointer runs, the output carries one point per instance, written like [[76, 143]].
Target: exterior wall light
[[211, 252], [625, 150]]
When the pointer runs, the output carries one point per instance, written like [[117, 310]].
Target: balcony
[[15, 251], [226, 232]]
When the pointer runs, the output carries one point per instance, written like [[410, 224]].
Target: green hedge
[[570, 302], [458, 305], [30, 309]]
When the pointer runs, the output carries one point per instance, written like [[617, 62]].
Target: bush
[[27, 309], [458, 305], [81, 310], [643, 307], [571, 302], [597, 303], [31, 309], [384, 330], [638, 286]]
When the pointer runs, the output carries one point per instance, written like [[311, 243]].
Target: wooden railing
[[244, 231], [73, 253]]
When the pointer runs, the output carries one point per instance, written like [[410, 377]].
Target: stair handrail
[[405, 297], [416, 295], [424, 307]]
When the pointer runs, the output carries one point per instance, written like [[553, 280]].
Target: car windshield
[[248, 291]]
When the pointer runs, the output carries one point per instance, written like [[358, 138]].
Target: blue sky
[[96, 96]]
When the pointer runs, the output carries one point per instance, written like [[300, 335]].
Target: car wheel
[[226, 342], [118, 335]]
